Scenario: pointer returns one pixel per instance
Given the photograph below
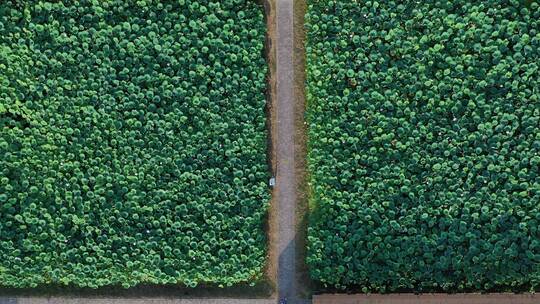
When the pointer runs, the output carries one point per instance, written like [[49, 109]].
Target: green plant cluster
[[424, 144], [133, 142]]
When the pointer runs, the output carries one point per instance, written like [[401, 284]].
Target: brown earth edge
[[305, 285], [272, 224], [434, 298]]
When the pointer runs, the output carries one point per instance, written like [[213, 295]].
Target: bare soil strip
[[272, 225], [302, 208], [397, 298]]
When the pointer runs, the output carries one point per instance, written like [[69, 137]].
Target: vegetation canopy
[[133, 142], [424, 144]]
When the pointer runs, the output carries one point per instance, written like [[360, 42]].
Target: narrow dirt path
[[286, 177]]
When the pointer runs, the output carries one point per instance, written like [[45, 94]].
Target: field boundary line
[[431, 298], [143, 300]]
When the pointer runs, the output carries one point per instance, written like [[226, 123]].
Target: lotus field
[[424, 144], [133, 144]]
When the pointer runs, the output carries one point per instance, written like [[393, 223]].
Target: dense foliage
[[424, 144], [133, 142]]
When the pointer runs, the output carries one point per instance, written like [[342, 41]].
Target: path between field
[[286, 179]]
